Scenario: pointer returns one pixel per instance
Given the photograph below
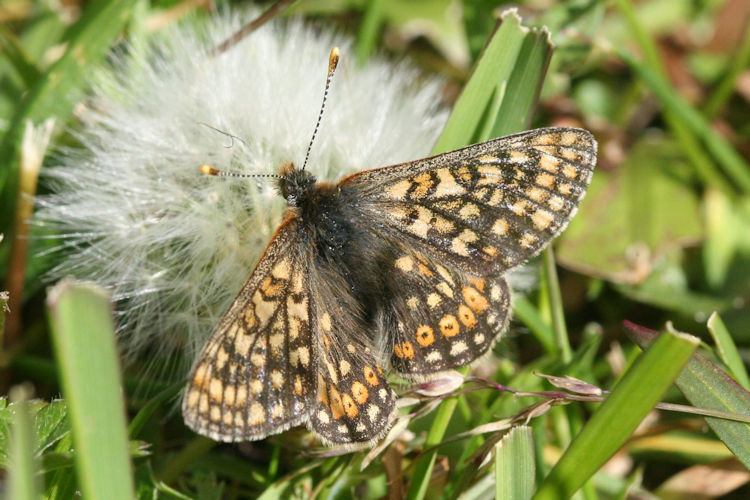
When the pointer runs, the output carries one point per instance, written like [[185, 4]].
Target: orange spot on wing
[[463, 173], [408, 350], [479, 283], [423, 185], [370, 376], [337, 408], [449, 326], [424, 270], [425, 336], [467, 317], [360, 393], [322, 391], [200, 375], [270, 289], [474, 299], [249, 318], [349, 407]]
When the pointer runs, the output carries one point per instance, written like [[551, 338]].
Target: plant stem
[[555, 299]]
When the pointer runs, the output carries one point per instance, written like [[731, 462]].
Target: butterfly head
[[295, 184]]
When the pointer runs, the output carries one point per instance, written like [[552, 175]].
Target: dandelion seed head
[[133, 211]]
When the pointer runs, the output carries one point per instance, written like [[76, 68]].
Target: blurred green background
[[663, 235]]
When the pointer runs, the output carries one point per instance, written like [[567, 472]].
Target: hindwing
[[354, 403], [440, 318]]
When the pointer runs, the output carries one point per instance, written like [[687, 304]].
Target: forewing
[[255, 376], [485, 208], [355, 404], [441, 318]]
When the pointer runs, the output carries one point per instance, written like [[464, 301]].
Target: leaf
[[513, 56], [515, 468], [728, 350], [84, 341], [704, 481], [667, 287], [707, 386], [22, 481], [47, 419], [614, 421]]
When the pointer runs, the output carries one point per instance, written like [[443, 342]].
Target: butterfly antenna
[[333, 61], [209, 170]]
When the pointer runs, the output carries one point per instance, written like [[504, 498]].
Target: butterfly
[[400, 267]]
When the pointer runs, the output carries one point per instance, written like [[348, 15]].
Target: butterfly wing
[[354, 403], [284, 354], [485, 208], [255, 376], [440, 318], [454, 223]]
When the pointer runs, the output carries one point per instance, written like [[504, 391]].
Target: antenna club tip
[[333, 59], [209, 170]]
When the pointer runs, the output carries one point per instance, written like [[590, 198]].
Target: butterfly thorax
[[318, 208]]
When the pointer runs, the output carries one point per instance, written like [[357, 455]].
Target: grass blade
[[22, 473], [525, 83], [707, 386], [372, 21], [632, 398], [729, 159], [423, 469], [682, 132], [16, 55], [83, 336], [529, 315], [476, 114], [728, 350], [562, 342], [739, 62], [515, 468]]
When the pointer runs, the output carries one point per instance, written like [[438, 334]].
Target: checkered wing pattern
[[354, 403], [409, 257], [255, 376], [441, 318], [283, 355], [486, 208]]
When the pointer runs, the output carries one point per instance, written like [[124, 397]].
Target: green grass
[[81, 324], [661, 237]]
